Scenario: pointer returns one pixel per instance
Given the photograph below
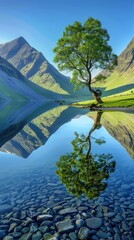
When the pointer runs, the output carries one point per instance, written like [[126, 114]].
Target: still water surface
[[69, 174]]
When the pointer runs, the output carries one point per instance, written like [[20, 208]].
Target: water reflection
[[28, 126], [34, 204], [83, 172]]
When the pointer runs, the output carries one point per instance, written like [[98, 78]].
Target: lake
[[66, 173]]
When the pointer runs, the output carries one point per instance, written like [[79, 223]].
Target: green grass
[[111, 101], [116, 80]]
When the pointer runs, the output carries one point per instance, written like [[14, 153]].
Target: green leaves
[[82, 48]]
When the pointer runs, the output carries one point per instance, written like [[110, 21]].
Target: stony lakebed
[[35, 205]]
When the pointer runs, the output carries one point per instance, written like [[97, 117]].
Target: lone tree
[[83, 48]]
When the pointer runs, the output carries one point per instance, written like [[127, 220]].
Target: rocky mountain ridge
[[34, 66]]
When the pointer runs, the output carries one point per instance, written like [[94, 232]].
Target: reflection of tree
[[83, 172]]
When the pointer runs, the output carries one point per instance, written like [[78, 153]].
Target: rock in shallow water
[[2, 234], [65, 226], [6, 208], [102, 235], [84, 233], [109, 214], [94, 223], [44, 217], [68, 211], [131, 206], [79, 223]]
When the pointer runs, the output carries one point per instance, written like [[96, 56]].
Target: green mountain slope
[[14, 86], [34, 66], [122, 78]]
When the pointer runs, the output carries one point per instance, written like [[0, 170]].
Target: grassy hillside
[[122, 78]]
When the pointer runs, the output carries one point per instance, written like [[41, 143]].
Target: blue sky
[[41, 22]]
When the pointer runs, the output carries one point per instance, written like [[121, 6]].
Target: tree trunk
[[95, 95]]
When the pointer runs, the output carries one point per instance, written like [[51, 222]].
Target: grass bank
[[110, 102]]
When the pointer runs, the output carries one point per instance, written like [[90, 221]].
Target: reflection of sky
[[59, 144]]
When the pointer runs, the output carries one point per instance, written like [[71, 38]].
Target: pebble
[[94, 222], [65, 226], [109, 214], [79, 223], [2, 234], [37, 236], [73, 236], [131, 206], [8, 238], [44, 217], [102, 235], [67, 211], [5, 208], [51, 213], [84, 233]]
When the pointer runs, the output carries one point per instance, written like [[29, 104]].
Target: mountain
[[34, 66], [122, 78], [14, 86]]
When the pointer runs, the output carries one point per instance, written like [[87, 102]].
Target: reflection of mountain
[[120, 125], [15, 115], [36, 132]]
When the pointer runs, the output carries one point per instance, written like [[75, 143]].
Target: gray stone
[[15, 220], [125, 186], [131, 206], [2, 234], [8, 238], [46, 223], [25, 230], [4, 227], [33, 227], [23, 215], [117, 237], [68, 211], [109, 214], [102, 235], [37, 236], [94, 237], [79, 223], [84, 233], [16, 234], [94, 222], [65, 226], [26, 236], [5, 208], [73, 236], [44, 217], [19, 201], [44, 229], [47, 236], [12, 226]]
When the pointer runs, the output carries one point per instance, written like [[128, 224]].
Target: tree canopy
[[83, 48]]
